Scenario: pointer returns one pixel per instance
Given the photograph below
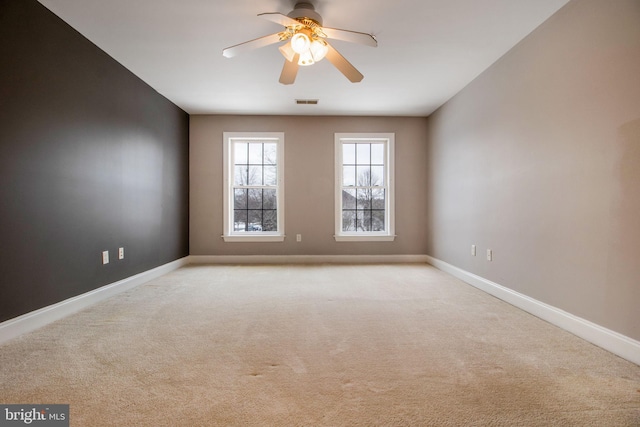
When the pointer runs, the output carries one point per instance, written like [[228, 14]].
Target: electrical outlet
[[298, 237], [105, 257], [120, 253], [489, 254], [473, 250]]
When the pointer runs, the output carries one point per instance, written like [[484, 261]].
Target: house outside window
[[364, 176], [253, 186]]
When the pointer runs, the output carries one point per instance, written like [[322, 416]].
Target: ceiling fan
[[306, 42]]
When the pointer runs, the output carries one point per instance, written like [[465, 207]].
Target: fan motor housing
[[305, 10]]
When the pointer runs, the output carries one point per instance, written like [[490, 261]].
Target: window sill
[[364, 238], [254, 238]]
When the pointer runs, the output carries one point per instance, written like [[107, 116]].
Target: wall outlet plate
[[105, 257], [120, 253]]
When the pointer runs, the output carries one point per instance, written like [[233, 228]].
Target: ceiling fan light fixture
[[306, 58], [304, 42], [300, 42], [318, 49], [287, 51]]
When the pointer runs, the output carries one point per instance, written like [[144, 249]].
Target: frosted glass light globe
[[318, 50], [300, 42]]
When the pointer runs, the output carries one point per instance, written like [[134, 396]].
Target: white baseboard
[[36, 319], [306, 259], [616, 343]]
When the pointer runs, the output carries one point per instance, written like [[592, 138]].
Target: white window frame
[[229, 235], [360, 236]]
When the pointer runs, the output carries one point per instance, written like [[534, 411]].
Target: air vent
[[306, 101]]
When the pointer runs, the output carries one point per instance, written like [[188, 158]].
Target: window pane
[[377, 175], [255, 175], [255, 220], [348, 176], [377, 199], [363, 199], [270, 220], [348, 154], [270, 153], [240, 153], [363, 219], [364, 190], [255, 153], [348, 199], [348, 221], [377, 154], [240, 175], [255, 198], [240, 220], [377, 220], [269, 199], [363, 154], [239, 199], [270, 175], [364, 176]]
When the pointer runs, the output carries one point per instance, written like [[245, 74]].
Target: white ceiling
[[427, 50]]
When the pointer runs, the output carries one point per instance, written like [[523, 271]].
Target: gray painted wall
[[309, 184], [539, 160], [91, 159]]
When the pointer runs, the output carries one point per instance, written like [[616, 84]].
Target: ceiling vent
[[306, 101]]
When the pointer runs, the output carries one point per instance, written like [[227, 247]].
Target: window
[[253, 187], [364, 187]]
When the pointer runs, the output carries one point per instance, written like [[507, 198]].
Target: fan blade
[[232, 51], [350, 36], [279, 18], [290, 70], [343, 65]]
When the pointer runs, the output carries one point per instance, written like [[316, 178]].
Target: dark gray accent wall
[[91, 159]]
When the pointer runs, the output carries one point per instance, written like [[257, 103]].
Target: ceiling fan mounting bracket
[[306, 12]]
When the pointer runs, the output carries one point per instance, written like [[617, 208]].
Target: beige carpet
[[387, 345]]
